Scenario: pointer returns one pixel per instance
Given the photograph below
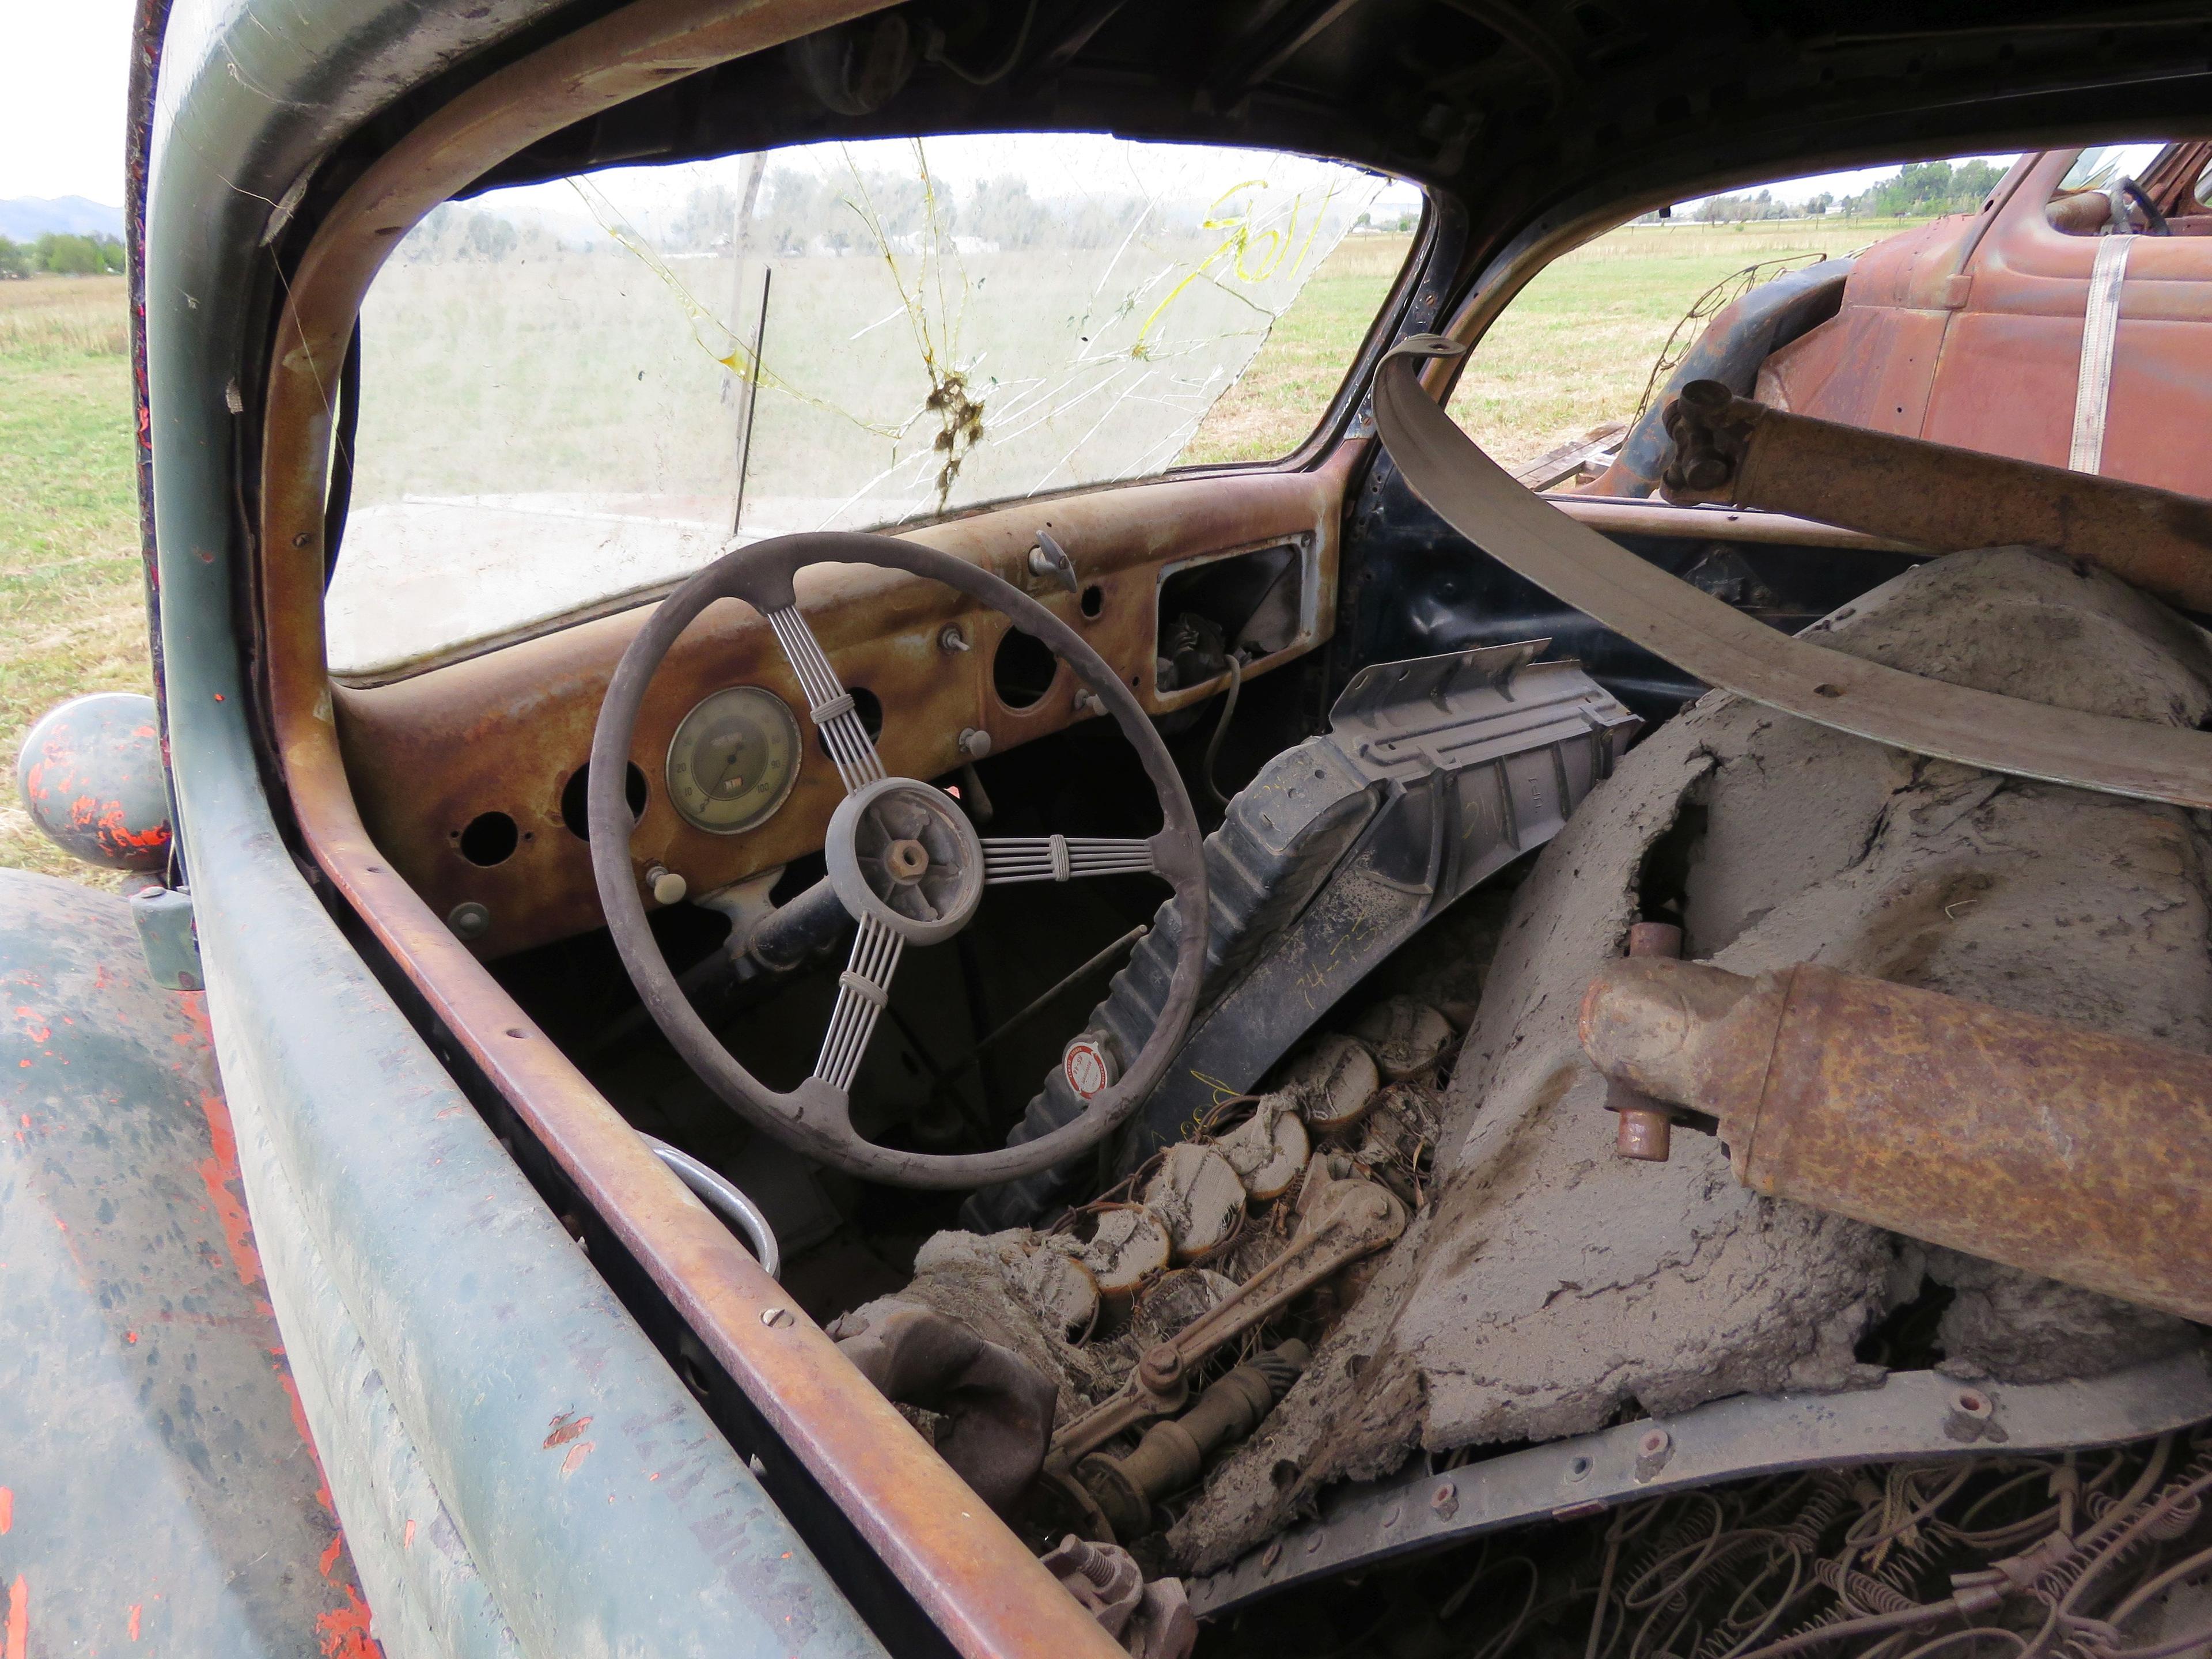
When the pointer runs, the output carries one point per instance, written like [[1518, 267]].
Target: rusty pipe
[[1645, 1129], [2060, 1149], [1730, 449]]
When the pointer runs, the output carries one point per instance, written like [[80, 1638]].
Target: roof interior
[[1537, 115]]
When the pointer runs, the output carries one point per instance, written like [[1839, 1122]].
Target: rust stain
[[577, 1454], [136, 1607], [407, 1535], [7, 1504], [18, 1644], [566, 1427]]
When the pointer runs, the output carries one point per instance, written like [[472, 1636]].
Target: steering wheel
[[904, 862]]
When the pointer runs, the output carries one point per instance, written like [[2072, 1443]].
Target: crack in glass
[[575, 393]]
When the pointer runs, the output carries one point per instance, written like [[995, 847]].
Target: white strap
[[2100, 327]]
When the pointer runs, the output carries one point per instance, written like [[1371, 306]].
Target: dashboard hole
[[576, 799], [489, 838], [1093, 601], [1024, 670]]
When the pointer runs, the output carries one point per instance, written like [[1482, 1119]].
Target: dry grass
[[72, 603]]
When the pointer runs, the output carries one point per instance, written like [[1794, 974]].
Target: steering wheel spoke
[[1010, 858], [829, 704], [863, 991]]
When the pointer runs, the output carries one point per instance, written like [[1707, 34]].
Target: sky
[[65, 65]]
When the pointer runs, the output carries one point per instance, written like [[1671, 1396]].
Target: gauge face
[[734, 760]]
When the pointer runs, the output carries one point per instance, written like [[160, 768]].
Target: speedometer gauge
[[734, 760]]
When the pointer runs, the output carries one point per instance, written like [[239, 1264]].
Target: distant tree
[[111, 256], [1734, 210], [1817, 205], [1922, 190], [68, 256], [15, 259]]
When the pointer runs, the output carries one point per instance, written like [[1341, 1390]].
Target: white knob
[[668, 888]]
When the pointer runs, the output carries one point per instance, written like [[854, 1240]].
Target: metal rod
[[721, 1195], [752, 399]]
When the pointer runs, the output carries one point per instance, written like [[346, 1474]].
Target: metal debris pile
[[1172, 1311]]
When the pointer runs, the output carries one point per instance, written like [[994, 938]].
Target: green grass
[[1573, 350], [72, 606]]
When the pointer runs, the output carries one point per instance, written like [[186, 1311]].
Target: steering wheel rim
[[815, 1118]]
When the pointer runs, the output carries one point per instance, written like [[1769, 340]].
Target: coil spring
[[1862, 1587], [1822, 1505], [2175, 1516]]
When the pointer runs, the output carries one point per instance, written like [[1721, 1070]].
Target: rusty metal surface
[[1731, 449], [157, 1484], [506, 731], [1968, 331], [1624, 517], [966, 1570], [2053, 1147]]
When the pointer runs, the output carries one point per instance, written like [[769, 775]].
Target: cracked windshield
[[576, 392]]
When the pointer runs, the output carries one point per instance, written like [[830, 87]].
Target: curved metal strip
[[1726, 650], [1913, 1415]]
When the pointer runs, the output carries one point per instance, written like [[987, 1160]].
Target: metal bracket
[[1913, 1415], [170, 937]]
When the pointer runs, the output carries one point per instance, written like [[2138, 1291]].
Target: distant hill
[[28, 218]]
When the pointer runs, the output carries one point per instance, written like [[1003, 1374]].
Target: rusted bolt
[[777, 1319], [1645, 1134], [305, 539], [469, 920], [1653, 1450], [1274, 1553], [1643, 1129], [1972, 1416], [1445, 1500], [906, 860], [1313, 1543], [1160, 1369]]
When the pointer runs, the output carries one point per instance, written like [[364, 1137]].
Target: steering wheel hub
[[904, 854]]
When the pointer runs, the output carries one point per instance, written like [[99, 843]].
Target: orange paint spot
[[18, 1644], [577, 1454], [136, 1608], [219, 1174], [130, 1337], [407, 1536], [344, 1632], [7, 1508], [566, 1427]]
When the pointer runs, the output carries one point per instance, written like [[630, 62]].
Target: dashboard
[[471, 777]]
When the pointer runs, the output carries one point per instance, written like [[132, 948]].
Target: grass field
[[1572, 352], [72, 608]]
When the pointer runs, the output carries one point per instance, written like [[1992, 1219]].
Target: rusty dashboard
[[468, 774]]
